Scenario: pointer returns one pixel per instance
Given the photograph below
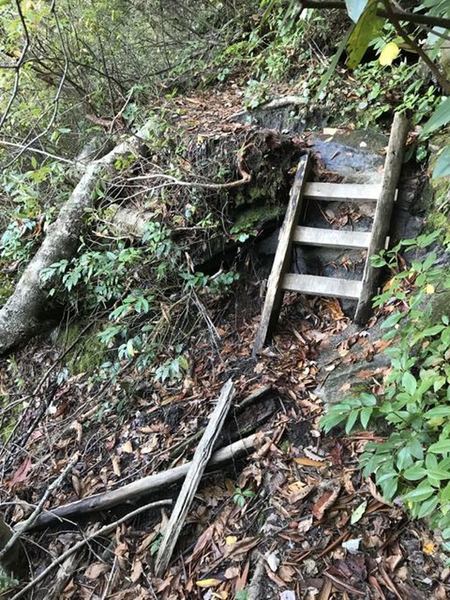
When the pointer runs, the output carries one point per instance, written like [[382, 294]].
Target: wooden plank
[[193, 478], [383, 212], [331, 238], [346, 192], [274, 294], [313, 285]]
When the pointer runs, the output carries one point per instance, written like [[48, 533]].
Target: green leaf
[[404, 459], [439, 474], [409, 382], [428, 507], [442, 166], [358, 513], [423, 492], [355, 8], [440, 447], [438, 411], [368, 27], [439, 118], [332, 419], [351, 420], [365, 415], [415, 473], [392, 320]]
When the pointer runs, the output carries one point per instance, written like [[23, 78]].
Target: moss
[[88, 354], [252, 217]]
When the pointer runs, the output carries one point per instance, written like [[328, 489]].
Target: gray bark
[[23, 315]]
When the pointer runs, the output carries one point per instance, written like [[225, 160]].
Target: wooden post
[[383, 213], [274, 294], [193, 478]]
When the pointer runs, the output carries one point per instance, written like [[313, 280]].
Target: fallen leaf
[[273, 561], [127, 447], [309, 462], [429, 548], [232, 572], [286, 573], [206, 583], [95, 570], [230, 540], [324, 502], [22, 473], [358, 513], [116, 466], [137, 571]]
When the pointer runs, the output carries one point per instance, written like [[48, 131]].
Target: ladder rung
[[331, 238], [348, 192], [314, 285]]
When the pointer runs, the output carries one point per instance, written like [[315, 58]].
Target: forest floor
[[295, 519]]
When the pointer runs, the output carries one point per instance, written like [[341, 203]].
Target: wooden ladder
[[383, 194]]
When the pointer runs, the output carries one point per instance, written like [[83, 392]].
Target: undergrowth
[[412, 464]]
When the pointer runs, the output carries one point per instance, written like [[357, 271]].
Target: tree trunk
[[24, 313]]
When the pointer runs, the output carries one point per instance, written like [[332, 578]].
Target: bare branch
[[401, 31], [17, 66]]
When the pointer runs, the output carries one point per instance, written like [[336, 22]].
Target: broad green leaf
[[368, 27], [440, 447], [409, 382], [365, 415], [389, 54], [404, 459], [392, 320], [355, 8], [351, 421], [428, 507], [438, 411], [442, 166], [423, 492], [439, 474], [415, 473], [439, 118]]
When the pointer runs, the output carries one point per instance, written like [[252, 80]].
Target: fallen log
[[193, 477], [134, 491], [23, 315]]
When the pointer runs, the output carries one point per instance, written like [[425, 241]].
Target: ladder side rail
[[383, 213], [274, 293]]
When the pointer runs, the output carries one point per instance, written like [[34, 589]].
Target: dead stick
[[142, 487], [193, 478], [102, 531], [28, 523]]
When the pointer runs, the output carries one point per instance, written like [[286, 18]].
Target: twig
[[102, 531], [17, 65], [28, 523], [41, 152]]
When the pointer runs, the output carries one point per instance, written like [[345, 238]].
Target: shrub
[[412, 464]]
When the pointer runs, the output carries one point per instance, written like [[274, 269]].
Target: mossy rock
[[251, 219], [440, 305]]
